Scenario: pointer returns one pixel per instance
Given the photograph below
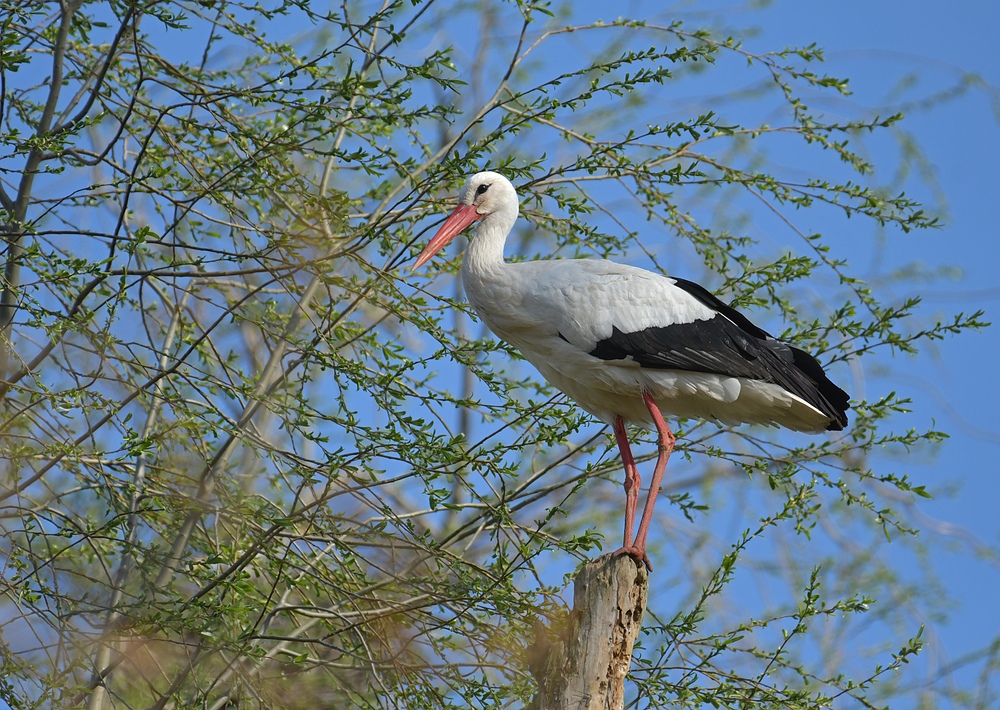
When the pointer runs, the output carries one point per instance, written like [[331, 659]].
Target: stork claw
[[636, 553]]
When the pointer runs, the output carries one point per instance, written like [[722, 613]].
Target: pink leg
[[665, 442], [631, 480]]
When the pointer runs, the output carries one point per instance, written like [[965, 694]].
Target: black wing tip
[[833, 401], [837, 401], [840, 423]]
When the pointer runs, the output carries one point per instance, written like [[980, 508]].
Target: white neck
[[484, 255]]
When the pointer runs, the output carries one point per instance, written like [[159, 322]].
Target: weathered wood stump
[[584, 666]]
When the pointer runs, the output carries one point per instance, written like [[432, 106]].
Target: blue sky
[[955, 383]]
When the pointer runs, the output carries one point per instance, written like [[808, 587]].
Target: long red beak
[[452, 227]]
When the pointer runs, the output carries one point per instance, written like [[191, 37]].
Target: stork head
[[484, 195]]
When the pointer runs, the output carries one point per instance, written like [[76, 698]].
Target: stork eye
[[482, 189]]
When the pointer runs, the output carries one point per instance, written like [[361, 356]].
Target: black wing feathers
[[728, 344], [712, 301]]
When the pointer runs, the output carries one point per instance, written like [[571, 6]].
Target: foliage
[[251, 459]]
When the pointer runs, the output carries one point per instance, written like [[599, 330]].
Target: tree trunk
[[584, 666]]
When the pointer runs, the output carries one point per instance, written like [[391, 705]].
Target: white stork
[[627, 344]]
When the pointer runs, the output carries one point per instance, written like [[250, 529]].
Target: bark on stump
[[585, 667]]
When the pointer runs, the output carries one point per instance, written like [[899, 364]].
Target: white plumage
[[625, 343]]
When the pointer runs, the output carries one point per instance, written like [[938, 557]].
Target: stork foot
[[636, 553]]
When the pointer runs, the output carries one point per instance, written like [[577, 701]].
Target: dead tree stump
[[584, 667]]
